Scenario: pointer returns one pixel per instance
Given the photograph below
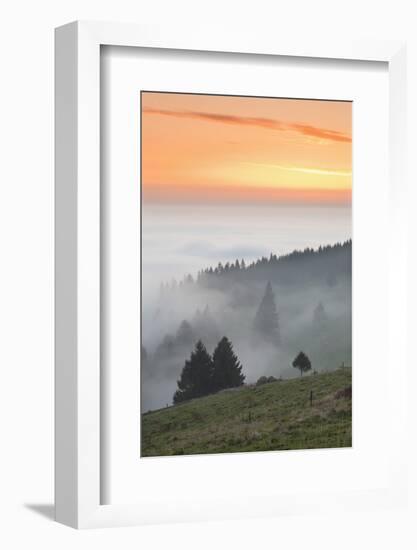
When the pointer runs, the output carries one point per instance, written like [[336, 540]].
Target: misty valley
[[269, 310]]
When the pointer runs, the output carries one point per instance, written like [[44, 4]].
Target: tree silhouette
[[266, 321], [185, 334], [227, 370], [302, 362], [196, 376]]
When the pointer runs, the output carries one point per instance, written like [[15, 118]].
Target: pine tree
[[266, 322], [227, 370], [302, 362], [196, 376]]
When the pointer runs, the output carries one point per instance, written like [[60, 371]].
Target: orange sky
[[237, 149]]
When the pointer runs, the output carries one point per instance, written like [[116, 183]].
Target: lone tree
[[227, 370], [196, 375], [266, 322], [302, 362]]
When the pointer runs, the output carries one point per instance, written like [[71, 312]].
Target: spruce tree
[[196, 375], [227, 370], [266, 322]]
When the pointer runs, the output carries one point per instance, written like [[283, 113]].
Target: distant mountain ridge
[[325, 264]]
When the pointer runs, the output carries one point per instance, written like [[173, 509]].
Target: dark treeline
[[326, 263]]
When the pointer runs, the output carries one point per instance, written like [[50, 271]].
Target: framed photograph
[[227, 214], [224, 315]]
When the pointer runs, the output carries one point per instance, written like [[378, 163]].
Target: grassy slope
[[269, 417]]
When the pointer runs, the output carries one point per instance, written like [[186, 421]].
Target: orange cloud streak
[[260, 122]]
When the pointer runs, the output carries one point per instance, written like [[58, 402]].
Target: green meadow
[[308, 412]]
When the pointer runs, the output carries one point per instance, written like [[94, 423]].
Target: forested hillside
[[326, 264], [269, 309]]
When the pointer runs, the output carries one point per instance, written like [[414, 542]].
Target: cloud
[[260, 122], [306, 170], [320, 133]]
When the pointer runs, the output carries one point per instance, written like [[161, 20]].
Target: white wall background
[[26, 270]]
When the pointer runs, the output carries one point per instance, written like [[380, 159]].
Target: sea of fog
[[180, 239]]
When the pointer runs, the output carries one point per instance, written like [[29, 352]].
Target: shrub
[[265, 380]]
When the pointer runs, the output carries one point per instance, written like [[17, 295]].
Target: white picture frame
[[78, 405]]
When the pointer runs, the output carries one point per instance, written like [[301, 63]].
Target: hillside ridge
[[325, 261]]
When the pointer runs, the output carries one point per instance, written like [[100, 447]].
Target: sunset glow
[[238, 149]]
